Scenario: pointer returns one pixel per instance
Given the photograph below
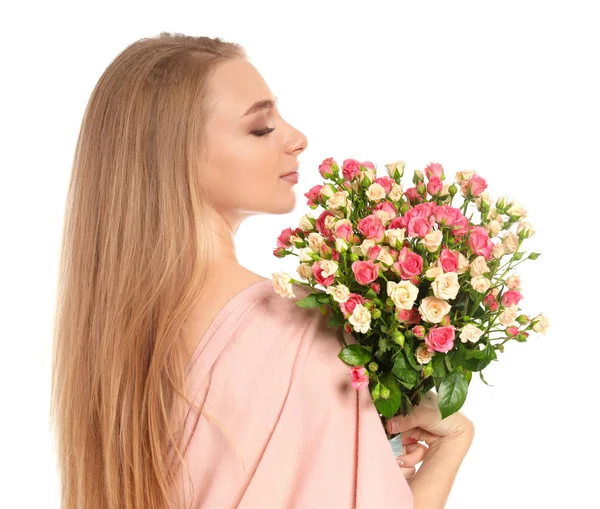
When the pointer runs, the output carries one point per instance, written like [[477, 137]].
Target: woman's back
[[281, 425]]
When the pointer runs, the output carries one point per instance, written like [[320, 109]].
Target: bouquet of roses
[[423, 288]]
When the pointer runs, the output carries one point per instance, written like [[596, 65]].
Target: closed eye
[[263, 132]]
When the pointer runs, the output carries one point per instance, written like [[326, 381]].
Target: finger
[[415, 453], [420, 435], [408, 473]]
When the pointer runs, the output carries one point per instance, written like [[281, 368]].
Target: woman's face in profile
[[248, 151]]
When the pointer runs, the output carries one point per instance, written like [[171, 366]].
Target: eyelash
[[263, 132]]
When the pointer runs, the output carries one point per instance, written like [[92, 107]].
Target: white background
[[508, 89]]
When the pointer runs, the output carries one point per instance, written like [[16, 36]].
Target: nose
[[298, 142]]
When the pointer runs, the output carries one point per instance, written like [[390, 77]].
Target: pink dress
[[281, 425]]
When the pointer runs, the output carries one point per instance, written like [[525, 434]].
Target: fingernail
[[400, 462]]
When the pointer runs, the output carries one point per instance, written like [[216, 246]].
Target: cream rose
[[423, 354], [540, 324], [432, 240], [479, 267], [341, 245], [498, 251], [327, 191], [360, 318], [509, 315], [525, 225], [305, 223], [433, 309], [330, 222], [282, 284], [315, 241], [464, 175], [338, 200], [339, 292], [328, 268], [470, 332], [403, 294], [445, 286], [463, 264], [375, 192], [396, 192], [510, 242], [395, 169], [385, 257], [305, 271], [513, 282], [395, 237], [304, 254], [366, 245], [434, 271], [480, 284], [493, 227], [516, 209]]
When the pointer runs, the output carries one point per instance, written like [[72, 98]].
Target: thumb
[[401, 423]]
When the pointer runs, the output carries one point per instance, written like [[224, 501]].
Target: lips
[[295, 170]]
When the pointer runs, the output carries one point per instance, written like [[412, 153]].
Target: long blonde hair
[[137, 243]]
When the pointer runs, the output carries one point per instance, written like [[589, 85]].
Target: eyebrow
[[261, 105]]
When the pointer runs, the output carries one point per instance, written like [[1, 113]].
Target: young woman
[[172, 363]]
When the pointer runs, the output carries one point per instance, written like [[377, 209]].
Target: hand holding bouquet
[[424, 288]]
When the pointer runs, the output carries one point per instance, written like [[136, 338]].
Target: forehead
[[235, 86]]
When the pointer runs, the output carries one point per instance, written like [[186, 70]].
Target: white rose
[[356, 250], [395, 169], [327, 191], [338, 200], [446, 286], [339, 292], [470, 332], [328, 268], [330, 222], [423, 354], [445, 190], [463, 264], [305, 223], [315, 241], [360, 318], [433, 309], [384, 215], [395, 237], [464, 175], [510, 242], [305, 271], [480, 284], [375, 192], [498, 251], [479, 267], [540, 324], [282, 284], [396, 192], [434, 271], [304, 254], [403, 294], [509, 315], [485, 196], [432, 240], [493, 227], [369, 173]]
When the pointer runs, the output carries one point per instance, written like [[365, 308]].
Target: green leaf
[[439, 366], [336, 320], [452, 393], [310, 301], [323, 298], [483, 379], [399, 365], [404, 372], [458, 356], [448, 362], [481, 360], [410, 356], [534, 256], [355, 355], [388, 407], [371, 294], [376, 392]]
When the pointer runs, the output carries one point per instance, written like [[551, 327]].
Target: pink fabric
[[281, 425]]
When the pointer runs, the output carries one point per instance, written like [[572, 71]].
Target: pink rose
[[320, 223], [388, 207], [434, 186], [410, 316], [326, 167], [477, 185], [480, 242], [360, 377], [343, 230], [434, 170], [284, 238], [512, 331], [419, 226], [348, 306], [376, 287], [350, 169], [491, 302], [365, 271], [413, 196], [368, 164], [372, 227], [449, 260], [318, 273], [386, 182], [313, 195], [419, 331], [440, 339], [409, 264], [511, 297]]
